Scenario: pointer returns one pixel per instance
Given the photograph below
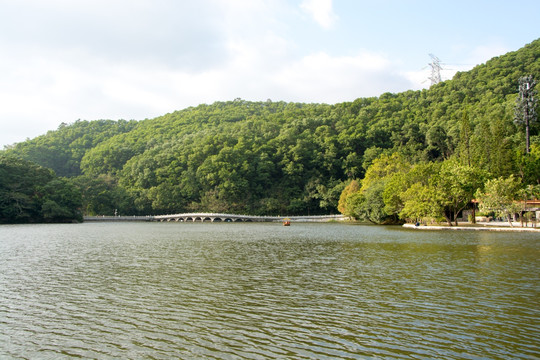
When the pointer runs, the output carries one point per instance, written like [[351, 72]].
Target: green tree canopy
[[500, 196], [31, 193]]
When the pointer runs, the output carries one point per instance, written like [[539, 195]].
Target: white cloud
[[321, 77], [321, 11]]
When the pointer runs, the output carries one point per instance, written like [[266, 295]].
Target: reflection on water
[[257, 291]]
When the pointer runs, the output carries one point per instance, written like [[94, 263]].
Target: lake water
[[264, 291]]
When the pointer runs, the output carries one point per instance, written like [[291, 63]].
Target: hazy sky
[[63, 60]]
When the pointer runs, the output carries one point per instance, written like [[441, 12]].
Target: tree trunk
[[510, 220], [448, 217]]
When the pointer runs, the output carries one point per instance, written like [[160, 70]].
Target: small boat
[[286, 222]]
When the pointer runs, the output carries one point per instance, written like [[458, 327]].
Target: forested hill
[[288, 158]]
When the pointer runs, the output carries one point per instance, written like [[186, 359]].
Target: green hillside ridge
[[277, 158]]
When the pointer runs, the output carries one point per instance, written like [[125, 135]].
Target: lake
[[264, 291]]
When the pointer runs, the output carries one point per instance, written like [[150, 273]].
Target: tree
[[525, 110], [456, 184], [30, 193], [529, 165], [20, 192], [408, 195], [499, 195], [464, 147], [353, 205], [102, 196], [377, 176], [438, 143], [492, 143], [61, 201], [419, 203], [372, 206], [350, 189]]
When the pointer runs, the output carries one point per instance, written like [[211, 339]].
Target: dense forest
[[31, 193], [410, 155]]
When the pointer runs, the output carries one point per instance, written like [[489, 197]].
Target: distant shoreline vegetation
[[414, 155], [30, 193]]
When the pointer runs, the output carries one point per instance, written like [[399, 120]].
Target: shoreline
[[478, 227]]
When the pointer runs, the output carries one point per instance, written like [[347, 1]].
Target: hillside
[[288, 158]]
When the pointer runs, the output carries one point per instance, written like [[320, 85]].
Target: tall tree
[[350, 189], [465, 138]]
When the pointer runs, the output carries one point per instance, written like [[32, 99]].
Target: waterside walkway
[[498, 226]]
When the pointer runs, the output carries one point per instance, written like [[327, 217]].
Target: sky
[[64, 60]]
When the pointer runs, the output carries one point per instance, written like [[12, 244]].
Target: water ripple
[[259, 291]]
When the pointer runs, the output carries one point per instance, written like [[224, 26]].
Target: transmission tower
[[435, 70]]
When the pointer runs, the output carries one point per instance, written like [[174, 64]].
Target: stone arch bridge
[[216, 217]]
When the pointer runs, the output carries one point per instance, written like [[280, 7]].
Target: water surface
[[261, 290]]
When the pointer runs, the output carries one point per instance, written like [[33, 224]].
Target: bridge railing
[[118, 218]]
